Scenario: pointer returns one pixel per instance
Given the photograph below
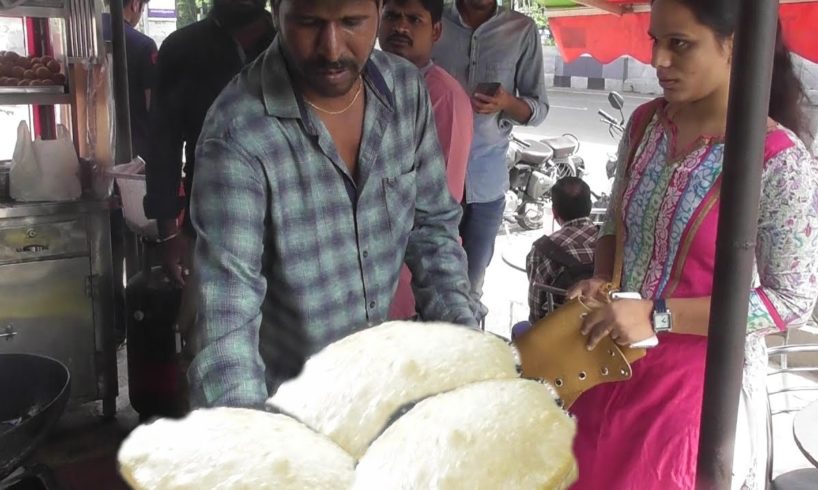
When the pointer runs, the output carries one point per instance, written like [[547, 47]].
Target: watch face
[[661, 322]]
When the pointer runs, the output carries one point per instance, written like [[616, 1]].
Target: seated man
[[567, 255]]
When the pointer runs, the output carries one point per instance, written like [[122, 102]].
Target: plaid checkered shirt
[[578, 238], [293, 252]]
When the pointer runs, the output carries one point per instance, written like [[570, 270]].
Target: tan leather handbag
[[554, 350]]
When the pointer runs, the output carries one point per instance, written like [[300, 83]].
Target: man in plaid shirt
[[318, 174], [571, 205]]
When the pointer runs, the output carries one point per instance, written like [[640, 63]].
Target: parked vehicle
[[534, 166], [616, 128]]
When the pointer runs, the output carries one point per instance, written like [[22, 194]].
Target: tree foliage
[[189, 11], [536, 10]]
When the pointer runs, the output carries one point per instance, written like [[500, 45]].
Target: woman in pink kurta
[[643, 433]]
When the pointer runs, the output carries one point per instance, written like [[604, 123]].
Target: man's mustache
[[397, 36], [326, 65]]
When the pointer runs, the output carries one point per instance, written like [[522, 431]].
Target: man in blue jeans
[[484, 45]]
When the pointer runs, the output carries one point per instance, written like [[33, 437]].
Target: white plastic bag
[[130, 177], [44, 170]]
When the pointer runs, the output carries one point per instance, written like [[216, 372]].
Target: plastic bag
[[130, 177], [44, 170]]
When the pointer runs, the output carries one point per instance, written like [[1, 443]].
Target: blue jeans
[[478, 229], [520, 328]]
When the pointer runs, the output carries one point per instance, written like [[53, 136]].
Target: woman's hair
[[787, 92]]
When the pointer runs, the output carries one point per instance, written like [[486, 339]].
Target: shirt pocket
[[399, 194], [501, 71]]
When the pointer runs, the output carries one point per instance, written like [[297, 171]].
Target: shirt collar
[[425, 68], [577, 223], [214, 19], [454, 14], [280, 100]]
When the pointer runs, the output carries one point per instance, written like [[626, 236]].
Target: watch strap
[[660, 318]]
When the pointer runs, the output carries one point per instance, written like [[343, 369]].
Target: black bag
[[571, 271]]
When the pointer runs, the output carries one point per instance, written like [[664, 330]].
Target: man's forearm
[[163, 165], [518, 109], [166, 227]]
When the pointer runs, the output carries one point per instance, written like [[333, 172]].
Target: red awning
[[607, 37]]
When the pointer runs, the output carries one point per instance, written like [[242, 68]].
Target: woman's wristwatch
[[661, 319]]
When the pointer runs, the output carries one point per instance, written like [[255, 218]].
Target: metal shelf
[[32, 11], [34, 99]]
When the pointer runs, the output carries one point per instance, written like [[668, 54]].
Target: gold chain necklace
[[336, 113]]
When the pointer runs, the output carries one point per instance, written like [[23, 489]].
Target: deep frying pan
[[33, 393]]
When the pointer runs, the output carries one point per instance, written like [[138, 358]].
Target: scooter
[[534, 166]]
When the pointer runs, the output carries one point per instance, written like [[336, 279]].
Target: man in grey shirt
[[483, 43]]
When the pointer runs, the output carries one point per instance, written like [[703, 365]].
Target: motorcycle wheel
[[530, 215]]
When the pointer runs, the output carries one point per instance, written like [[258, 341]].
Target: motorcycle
[[616, 128], [534, 166]]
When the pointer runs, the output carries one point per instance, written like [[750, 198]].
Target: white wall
[[642, 77]]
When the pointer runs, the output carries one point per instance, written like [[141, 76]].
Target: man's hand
[[175, 259], [587, 288], [176, 256], [491, 104], [627, 321]]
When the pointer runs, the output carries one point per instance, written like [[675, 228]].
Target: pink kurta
[[453, 119], [643, 433]]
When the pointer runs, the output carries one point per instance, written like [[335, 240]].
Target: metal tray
[[47, 89]]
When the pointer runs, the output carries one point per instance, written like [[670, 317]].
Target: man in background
[[496, 56], [141, 54], [410, 28], [195, 64], [567, 255]]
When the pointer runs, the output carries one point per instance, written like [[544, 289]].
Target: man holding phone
[[409, 29], [496, 55], [487, 88]]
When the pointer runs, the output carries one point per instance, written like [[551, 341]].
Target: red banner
[[607, 37]]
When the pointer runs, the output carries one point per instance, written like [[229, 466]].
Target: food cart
[[56, 279]]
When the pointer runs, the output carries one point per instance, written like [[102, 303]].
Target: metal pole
[[122, 108], [754, 44]]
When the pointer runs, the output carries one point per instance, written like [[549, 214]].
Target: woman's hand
[[587, 288], [627, 321]]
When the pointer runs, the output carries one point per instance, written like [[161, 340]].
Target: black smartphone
[[487, 88]]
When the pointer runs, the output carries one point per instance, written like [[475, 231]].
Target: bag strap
[[641, 120]]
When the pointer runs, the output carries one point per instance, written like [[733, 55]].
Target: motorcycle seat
[[562, 146], [536, 153]]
